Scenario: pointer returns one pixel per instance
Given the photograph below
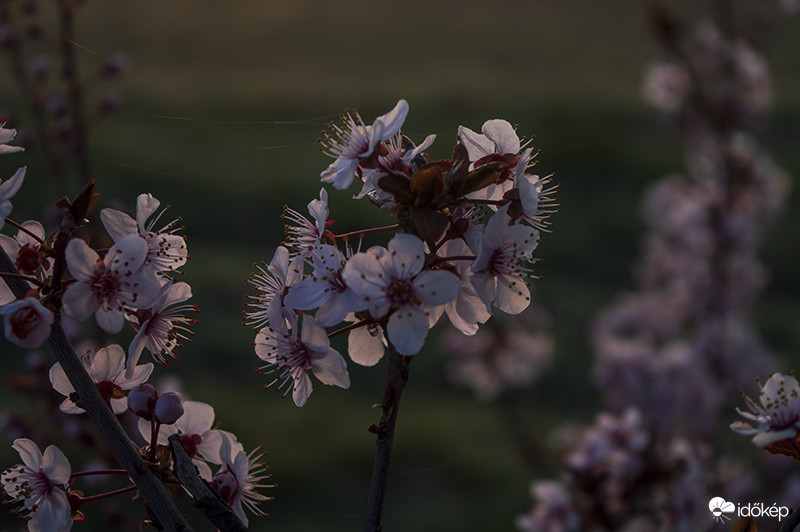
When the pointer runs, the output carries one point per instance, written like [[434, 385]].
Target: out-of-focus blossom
[[106, 367], [39, 483], [552, 512], [666, 85]]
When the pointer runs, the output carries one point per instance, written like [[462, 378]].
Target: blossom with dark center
[[500, 269], [163, 326], [39, 483], [777, 413], [107, 286], [353, 142], [291, 355], [325, 289], [394, 283], [106, 367], [166, 251], [240, 477]]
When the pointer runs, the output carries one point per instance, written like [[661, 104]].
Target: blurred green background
[[223, 103]]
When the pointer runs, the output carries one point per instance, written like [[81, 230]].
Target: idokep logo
[[719, 507]]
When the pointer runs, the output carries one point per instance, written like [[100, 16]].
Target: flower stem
[[108, 494], [19, 227], [350, 327], [397, 378], [99, 472], [365, 231]]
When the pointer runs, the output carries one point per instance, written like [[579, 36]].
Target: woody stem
[[398, 367]]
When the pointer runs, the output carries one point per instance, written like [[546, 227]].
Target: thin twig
[[396, 380]]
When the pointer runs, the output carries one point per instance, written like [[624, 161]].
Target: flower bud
[[168, 408], [142, 401]]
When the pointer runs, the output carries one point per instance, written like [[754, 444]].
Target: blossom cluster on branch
[[132, 281], [466, 231]]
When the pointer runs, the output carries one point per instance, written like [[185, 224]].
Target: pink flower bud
[[142, 401], [168, 408]]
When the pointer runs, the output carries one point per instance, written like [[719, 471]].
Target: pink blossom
[[291, 355], [8, 188], [162, 326], [394, 283], [40, 483], [272, 284], [325, 289], [353, 143], [240, 477], [499, 271], [777, 413], [166, 251], [27, 322], [106, 367], [106, 286]]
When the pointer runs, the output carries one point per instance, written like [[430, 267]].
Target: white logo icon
[[719, 507]]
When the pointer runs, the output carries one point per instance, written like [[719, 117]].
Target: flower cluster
[[776, 416], [130, 281], [467, 229]]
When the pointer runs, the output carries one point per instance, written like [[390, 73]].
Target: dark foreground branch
[[206, 499], [151, 488]]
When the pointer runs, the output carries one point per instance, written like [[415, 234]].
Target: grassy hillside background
[[223, 103]]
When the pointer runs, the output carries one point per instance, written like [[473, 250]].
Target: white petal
[[364, 347], [436, 287], [127, 255], [146, 205], [477, 145], [331, 369], [302, 389], [407, 329], [512, 295], [406, 255], [59, 380], [79, 301], [197, 418], [502, 134], [10, 186], [391, 122], [118, 224], [81, 259], [55, 465], [110, 320], [29, 452], [107, 363]]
